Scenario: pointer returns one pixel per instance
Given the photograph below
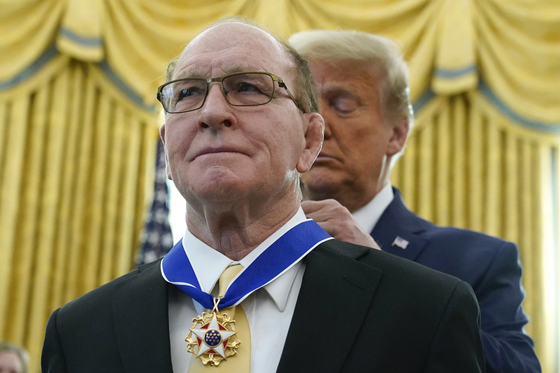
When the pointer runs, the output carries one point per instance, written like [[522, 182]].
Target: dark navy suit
[[490, 265]]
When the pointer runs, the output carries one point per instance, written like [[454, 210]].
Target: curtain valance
[[512, 47]]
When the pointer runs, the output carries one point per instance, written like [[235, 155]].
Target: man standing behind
[[364, 100], [253, 286]]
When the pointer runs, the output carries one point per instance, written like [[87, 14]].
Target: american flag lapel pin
[[400, 242]]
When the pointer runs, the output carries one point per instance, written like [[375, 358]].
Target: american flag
[[400, 242], [157, 238]]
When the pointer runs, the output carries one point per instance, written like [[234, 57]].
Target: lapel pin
[[400, 242]]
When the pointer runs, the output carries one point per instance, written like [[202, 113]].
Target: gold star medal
[[212, 337]]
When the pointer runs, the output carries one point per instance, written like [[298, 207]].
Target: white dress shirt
[[369, 215], [269, 310]]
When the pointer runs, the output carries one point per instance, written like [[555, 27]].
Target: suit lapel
[[141, 322], [335, 295], [398, 222]]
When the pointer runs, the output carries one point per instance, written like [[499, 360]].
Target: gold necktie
[[240, 362]]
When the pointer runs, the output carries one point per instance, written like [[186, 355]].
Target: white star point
[[200, 334]]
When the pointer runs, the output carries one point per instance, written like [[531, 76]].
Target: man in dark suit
[[364, 100], [266, 289]]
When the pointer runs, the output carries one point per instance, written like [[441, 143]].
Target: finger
[[313, 206]]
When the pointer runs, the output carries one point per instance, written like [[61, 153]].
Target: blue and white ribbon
[[284, 253]]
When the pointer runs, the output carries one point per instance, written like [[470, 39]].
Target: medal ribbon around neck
[[286, 251]]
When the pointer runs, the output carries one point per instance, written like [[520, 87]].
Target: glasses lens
[[248, 89], [184, 95]]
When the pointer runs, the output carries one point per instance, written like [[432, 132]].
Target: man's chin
[[324, 175], [317, 187]]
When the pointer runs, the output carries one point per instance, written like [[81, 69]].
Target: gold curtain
[[78, 124]]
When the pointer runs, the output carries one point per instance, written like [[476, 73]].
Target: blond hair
[[335, 46]]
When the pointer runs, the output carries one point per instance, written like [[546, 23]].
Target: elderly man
[[365, 103], [266, 289]]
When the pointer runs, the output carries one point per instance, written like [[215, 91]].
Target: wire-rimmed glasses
[[251, 88]]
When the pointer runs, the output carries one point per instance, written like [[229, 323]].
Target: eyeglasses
[[239, 89]]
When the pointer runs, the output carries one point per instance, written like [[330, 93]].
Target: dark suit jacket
[[359, 310], [490, 265]]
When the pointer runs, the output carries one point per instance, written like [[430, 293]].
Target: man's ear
[[398, 136], [313, 141], [162, 136]]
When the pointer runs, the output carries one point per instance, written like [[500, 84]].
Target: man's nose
[[215, 92], [216, 111]]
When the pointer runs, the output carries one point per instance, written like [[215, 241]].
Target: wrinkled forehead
[[232, 47]]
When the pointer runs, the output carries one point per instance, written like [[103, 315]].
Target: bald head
[[230, 42], [235, 33], [303, 85]]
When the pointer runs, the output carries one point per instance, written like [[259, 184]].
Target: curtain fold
[[27, 29], [81, 32], [455, 64], [519, 51], [79, 119], [75, 165]]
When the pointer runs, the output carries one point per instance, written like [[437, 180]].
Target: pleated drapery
[[78, 124], [75, 176]]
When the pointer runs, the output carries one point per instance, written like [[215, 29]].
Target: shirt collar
[[369, 215], [208, 264]]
